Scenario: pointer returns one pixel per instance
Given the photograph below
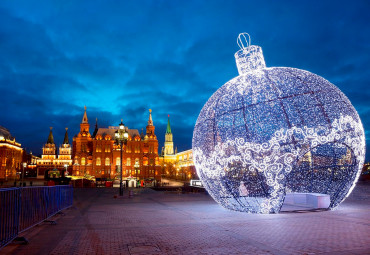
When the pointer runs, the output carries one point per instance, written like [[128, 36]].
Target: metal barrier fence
[[23, 208]]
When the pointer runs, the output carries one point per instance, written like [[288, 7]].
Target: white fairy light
[[272, 131]]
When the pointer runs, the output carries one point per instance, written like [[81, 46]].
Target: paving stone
[[158, 223]]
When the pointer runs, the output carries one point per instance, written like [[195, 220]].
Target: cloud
[[123, 57]]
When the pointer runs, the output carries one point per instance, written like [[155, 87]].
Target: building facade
[[50, 160], [11, 156], [99, 155]]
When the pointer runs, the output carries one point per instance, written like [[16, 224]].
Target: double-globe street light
[[121, 136]]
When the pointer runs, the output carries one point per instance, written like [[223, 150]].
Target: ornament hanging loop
[[249, 57], [243, 37]]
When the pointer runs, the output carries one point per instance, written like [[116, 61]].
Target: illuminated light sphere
[[273, 131]]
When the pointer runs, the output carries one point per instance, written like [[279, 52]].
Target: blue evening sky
[[120, 58]]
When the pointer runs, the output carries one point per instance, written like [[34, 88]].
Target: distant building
[[98, 155], [50, 160], [11, 156], [176, 164]]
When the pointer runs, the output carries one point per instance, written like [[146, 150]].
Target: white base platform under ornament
[[305, 200]]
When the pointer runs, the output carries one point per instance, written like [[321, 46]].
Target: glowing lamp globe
[[274, 131]]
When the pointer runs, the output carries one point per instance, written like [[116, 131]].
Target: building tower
[[168, 144], [150, 127], [65, 150], [84, 126], [82, 148], [49, 150], [48, 157]]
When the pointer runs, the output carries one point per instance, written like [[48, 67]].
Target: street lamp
[[121, 136], [66, 172], [136, 166], [24, 166]]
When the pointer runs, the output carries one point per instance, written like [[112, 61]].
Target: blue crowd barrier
[[23, 208]]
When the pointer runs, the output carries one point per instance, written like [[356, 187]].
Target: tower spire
[[84, 119], [168, 140], [50, 137], [168, 130], [65, 141], [150, 121], [150, 127], [84, 126]]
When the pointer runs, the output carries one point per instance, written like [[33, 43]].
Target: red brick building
[[98, 154]]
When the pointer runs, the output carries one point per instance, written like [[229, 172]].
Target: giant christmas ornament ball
[[273, 131]]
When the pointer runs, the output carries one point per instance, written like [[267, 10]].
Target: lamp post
[[66, 172], [24, 166], [121, 136], [136, 166]]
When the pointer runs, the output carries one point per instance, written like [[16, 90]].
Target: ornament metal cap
[[249, 57]]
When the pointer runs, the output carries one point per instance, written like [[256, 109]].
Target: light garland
[[272, 131]]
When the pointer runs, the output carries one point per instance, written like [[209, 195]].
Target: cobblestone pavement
[[154, 222]]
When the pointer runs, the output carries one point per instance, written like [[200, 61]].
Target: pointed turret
[[50, 137], [48, 150], [168, 130], [84, 126], [65, 150], [84, 118], [142, 134], [150, 121], [65, 141], [150, 127], [96, 128]]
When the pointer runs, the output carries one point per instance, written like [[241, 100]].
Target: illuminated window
[[107, 148], [98, 161], [98, 148], [83, 161], [128, 162], [117, 161], [107, 161]]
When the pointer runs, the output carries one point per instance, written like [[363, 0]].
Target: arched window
[[107, 161], [83, 161], [128, 162], [98, 161], [117, 161]]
